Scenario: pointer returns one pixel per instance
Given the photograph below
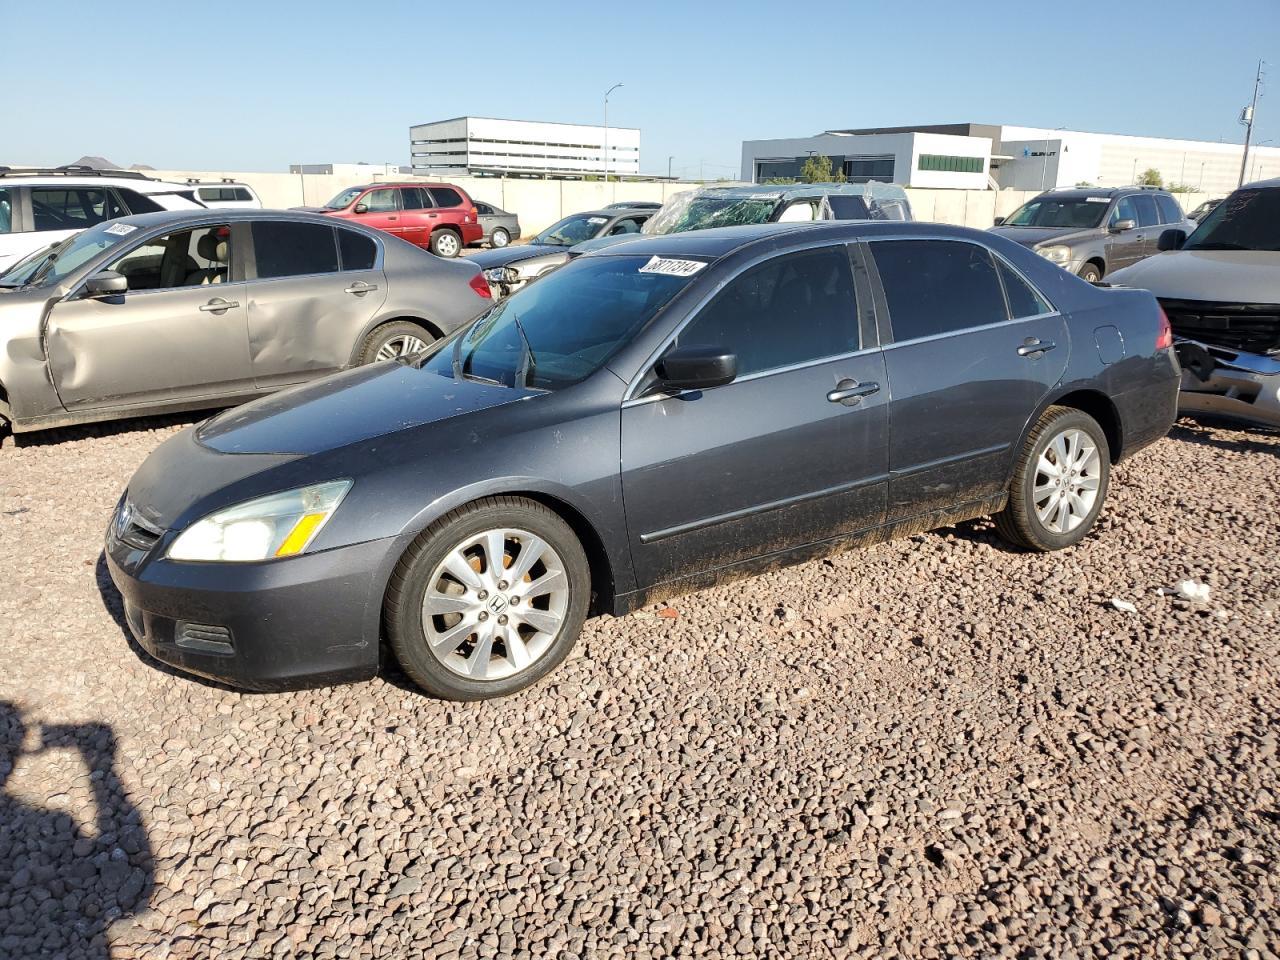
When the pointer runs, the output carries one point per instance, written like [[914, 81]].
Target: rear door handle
[[360, 288], [851, 392], [218, 305], [1033, 348]]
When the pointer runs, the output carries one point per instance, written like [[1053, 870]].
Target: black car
[[650, 419]]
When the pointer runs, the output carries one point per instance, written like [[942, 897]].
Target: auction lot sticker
[[120, 229], [672, 268]]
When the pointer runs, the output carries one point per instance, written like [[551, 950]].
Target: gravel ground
[[931, 748]]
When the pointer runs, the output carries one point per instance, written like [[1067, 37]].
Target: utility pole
[[606, 129], [669, 159], [1246, 117]]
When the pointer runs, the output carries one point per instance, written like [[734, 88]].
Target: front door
[[777, 458], [178, 333], [975, 351], [311, 292], [1124, 246], [382, 210]]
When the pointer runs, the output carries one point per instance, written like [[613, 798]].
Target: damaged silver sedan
[[190, 310]]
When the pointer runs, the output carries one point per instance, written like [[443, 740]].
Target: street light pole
[[606, 129], [1246, 117], [669, 159]]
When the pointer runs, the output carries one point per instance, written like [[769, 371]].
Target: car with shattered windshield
[[669, 413], [1220, 287], [1091, 231]]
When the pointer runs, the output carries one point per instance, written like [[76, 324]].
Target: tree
[[817, 169], [1181, 188], [1085, 183], [1151, 178]]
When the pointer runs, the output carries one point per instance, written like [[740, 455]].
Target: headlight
[[278, 525], [1058, 254], [501, 274]]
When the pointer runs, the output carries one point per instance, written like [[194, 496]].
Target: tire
[[1030, 518], [1090, 273], [400, 338], [446, 243], [499, 237], [464, 648]]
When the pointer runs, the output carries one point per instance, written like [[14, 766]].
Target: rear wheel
[[397, 339], [489, 599], [1059, 483], [446, 243], [1090, 272], [499, 238]]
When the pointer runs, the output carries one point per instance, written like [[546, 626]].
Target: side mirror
[[362, 208], [1171, 239], [697, 368], [997, 221], [1120, 226], [106, 283]]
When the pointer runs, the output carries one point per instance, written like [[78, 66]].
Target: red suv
[[437, 216]]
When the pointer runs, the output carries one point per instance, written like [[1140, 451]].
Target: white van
[[228, 193]]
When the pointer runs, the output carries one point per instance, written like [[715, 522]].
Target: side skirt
[[705, 580]]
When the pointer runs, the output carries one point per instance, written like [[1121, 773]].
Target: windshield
[[571, 230], [564, 327], [46, 267], [1246, 220], [702, 213], [1049, 212], [344, 199]]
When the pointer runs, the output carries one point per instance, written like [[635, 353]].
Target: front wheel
[[446, 243], [1059, 482], [489, 599]]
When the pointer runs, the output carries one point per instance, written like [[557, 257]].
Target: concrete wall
[[540, 203]]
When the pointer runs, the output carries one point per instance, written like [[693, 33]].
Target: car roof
[[140, 184], [1076, 193], [165, 218], [1269, 182]]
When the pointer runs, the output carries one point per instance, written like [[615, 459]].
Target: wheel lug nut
[[502, 584], [483, 595], [483, 616], [514, 601], [502, 619]]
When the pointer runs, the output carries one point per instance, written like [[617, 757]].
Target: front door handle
[[393, 218], [360, 288], [218, 305], [1035, 349], [851, 392]]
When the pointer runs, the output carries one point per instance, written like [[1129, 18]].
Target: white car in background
[[228, 193], [41, 207]]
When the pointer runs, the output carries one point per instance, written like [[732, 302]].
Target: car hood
[[1228, 276], [506, 256], [348, 408], [1033, 236]]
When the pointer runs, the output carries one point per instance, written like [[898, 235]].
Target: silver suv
[[1090, 231]]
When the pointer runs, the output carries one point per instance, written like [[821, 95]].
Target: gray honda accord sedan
[[650, 419], [186, 310]]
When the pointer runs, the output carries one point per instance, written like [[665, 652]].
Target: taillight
[[1164, 339], [481, 286]]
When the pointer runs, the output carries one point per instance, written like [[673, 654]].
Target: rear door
[[177, 334], [1149, 227], [770, 461], [311, 290], [967, 367], [418, 215]]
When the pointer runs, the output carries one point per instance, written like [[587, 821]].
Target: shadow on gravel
[[113, 603], [112, 428], [982, 530], [1200, 431], [61, 887]]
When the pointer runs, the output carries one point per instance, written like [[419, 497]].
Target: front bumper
[[1229, 383], [309, 620]]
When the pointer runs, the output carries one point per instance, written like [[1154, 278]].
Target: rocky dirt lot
[[931, 748]]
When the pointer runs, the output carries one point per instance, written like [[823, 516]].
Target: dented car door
[[305, 311], [177, 333]]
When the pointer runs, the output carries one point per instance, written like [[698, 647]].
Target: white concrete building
[[482, 146], [350, 169], [1012, 157]]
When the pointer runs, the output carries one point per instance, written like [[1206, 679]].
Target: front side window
[[284, 248], [1059, 212], [59, 208], [445, 196], [791, 309], [184, 258], [358, 251], [938, 286], [564, 327], [1247, 220], [571, 230], [629, 225], [6, 210], [382, 201], [1125, 210]]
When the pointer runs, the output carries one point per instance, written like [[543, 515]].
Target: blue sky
[[242, 86]]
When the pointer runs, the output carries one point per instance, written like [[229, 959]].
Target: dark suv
[[1091, 231], [437, 216]]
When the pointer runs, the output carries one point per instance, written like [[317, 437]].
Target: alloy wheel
[[400, 345], [1067, 478], [495, 604], [447, 245]]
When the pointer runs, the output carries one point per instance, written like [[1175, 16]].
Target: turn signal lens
[[1164, 339], [301, 534], [481, 286]]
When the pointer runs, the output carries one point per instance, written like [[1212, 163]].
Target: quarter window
[[358, 251], [1024, 301], [382, 201], [445, 196], [284, 248], [938, 286], [788, 310], [137, 203]]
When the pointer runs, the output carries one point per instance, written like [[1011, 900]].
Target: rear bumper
[[1228, 383], [307, 621]]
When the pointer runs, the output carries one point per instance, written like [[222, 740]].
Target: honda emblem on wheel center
[[498, 604]]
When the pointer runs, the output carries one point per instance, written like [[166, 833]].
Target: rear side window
[[60, 208], [791, 309], [415, 198], [358, 251], [282, 248], [137, 202], [484, 209], [1170, 212], [938, 286], [241, 193], [1024, 301], [445, 196], [6, 210], [1147, 214]]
